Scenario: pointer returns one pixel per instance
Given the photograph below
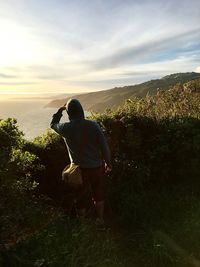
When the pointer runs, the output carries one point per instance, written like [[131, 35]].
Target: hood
[[74, 109]]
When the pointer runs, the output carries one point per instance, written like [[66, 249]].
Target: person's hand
[[108, 167], [62, 108]]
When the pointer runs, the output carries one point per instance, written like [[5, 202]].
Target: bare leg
[[99, 210]]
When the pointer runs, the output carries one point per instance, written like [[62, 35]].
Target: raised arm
[[55, 123]]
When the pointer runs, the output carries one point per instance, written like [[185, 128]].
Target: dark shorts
[[93, 181]]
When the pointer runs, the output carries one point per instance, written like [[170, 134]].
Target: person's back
[[87, 147], [84, 138]]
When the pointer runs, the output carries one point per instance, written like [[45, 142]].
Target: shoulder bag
[[72, 174]]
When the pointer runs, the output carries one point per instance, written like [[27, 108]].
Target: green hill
[[113, 98]]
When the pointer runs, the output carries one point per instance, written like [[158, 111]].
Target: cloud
[[132, 74], [17, 83], [51, 77], [98, 43], [7, 76], [131, 55], [197, 69]]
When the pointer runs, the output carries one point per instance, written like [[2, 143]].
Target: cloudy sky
[[65, 46]]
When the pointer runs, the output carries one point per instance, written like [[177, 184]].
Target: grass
[[166, 229], [66, 242], [153, 228]]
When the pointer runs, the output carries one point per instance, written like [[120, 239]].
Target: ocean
[[33, 119]]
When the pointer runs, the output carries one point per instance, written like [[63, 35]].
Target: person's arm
[[55, 125], [104, 148]]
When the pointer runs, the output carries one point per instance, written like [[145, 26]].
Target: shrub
[[154, 143]]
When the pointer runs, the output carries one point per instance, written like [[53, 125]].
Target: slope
[[113, 98]]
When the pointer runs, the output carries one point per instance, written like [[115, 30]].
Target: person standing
[[94, 159]]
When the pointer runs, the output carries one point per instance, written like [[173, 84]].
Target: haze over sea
[[33, 119]]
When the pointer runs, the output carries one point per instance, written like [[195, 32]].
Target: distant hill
[[113, 98]]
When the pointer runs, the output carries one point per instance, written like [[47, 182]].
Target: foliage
[[152, 192], [154, 143], [18, 170], [67, 243], [51, 151], [10, 137]]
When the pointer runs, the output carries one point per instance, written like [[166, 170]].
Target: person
[[96, 158]]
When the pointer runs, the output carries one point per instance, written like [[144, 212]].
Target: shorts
[[93, 181]]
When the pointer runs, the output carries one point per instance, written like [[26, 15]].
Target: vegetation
[[153, 203], [113, 98]]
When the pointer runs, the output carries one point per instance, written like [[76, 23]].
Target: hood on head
[[74, 109]]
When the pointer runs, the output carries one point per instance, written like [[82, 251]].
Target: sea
[[33, 118]]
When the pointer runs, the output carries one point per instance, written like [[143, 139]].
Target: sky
[[73, 46]]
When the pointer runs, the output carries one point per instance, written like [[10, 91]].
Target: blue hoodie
[[84, 139]]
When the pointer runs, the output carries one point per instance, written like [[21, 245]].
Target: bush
[[153, 189], [51, 150], [154, 143], [18, 171]]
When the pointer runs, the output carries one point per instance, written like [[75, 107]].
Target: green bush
[[152, 192], [51, 150], [18, 171], [154, 143]]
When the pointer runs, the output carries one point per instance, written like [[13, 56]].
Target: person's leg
[[99, 205], [97, 184], [79, 197]]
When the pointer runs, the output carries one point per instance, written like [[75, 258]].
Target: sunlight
[[198, 69], [17, 45], [13, 95]]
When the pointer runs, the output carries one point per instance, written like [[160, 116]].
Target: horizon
[[80, 47]]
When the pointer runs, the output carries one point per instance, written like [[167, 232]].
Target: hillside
[[113, 98]]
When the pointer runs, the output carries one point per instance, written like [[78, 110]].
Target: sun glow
[[59, 49], [17, 45]]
